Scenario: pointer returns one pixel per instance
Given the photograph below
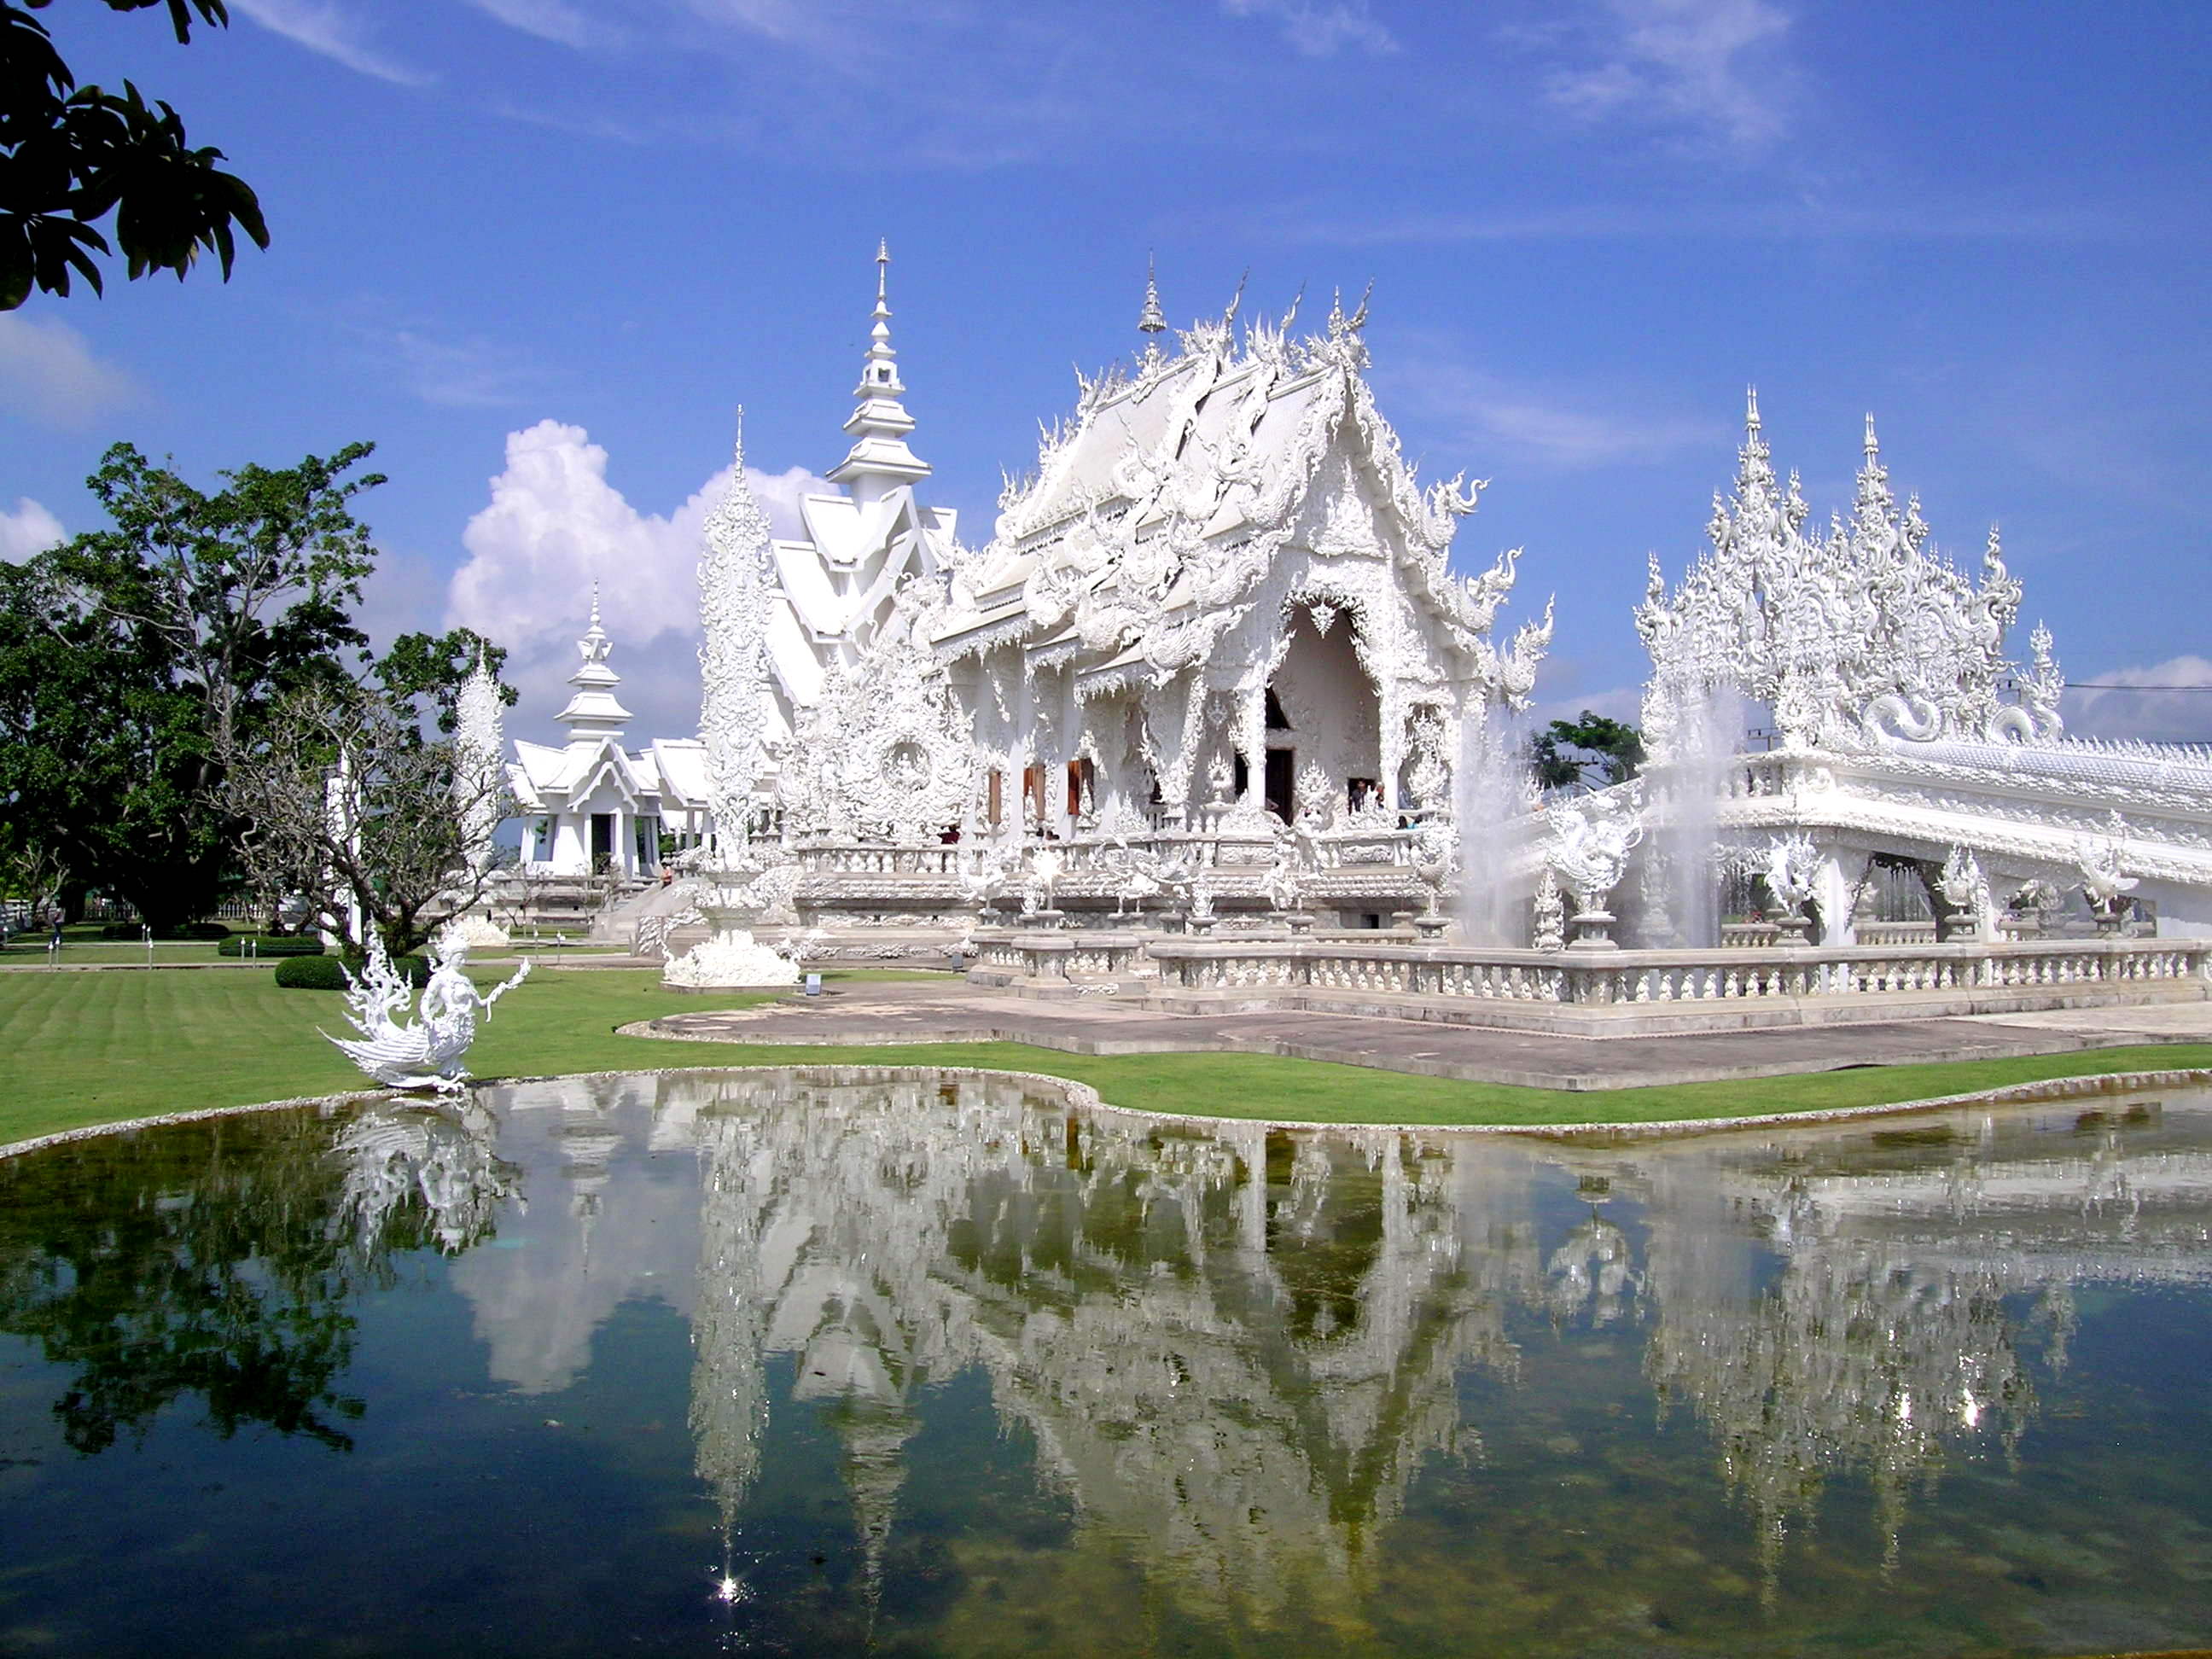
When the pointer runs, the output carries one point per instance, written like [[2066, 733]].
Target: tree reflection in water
[[218, 1260]]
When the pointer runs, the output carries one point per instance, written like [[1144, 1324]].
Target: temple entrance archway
[[1329, 710]]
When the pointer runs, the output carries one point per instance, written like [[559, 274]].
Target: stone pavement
[[868, 1014]]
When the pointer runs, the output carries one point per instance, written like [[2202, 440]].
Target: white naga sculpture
[[1791, 870], [1591, 840], [426, 1052]]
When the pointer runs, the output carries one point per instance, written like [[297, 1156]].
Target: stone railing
[[1614, 978]]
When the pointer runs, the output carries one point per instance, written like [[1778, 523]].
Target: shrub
[[328, 973], [311, 973], [271, 945], [130, 932]]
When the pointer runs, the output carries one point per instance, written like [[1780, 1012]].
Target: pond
[[818, 1362]]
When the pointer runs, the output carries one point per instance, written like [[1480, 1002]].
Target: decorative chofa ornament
[[426, 1052], [1591, 840]]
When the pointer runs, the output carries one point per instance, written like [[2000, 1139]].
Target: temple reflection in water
[[1233, 1349]]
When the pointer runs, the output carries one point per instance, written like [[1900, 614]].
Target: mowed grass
[[95, 1047]]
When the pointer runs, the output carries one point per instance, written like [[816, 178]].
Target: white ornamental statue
[[1591, 840], [1791, 870], [1549, 931], [2102, 885], [1965, 889], [427, 1051]]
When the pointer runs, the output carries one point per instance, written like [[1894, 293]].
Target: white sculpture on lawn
[[427, 1050]]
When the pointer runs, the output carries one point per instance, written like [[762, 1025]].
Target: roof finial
[[1236, 299], [595, 602], [1152, 320], [1873, 447], [1751, 409], [883, 274]]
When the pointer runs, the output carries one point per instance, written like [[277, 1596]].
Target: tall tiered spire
[[1152, 321], [879, 460], [594, 712]]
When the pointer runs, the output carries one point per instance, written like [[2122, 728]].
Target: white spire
[[879, 460], [1153, 320], [735, 575], [594, 712]]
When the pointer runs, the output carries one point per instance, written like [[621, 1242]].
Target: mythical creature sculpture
[[1591, 840], [1791, 870], [2098, 858], [426, 1053]]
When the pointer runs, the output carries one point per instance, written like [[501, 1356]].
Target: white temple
[[593, 807], [1212, 680]]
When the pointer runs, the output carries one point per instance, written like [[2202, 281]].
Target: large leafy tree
[[72, 155], [136, 662]]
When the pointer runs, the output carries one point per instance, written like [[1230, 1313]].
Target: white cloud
[[48, 373], [2155, 714], [1318, 30], [549, 19], [554, 526], [337, 32], [29, 529], [1710, 64]]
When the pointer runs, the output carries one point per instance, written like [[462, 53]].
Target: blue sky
[[538, 249]]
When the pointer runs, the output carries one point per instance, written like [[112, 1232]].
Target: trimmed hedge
[[130, 932], [271, 945], [328, 973]]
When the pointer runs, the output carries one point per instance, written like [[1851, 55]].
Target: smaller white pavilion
[[592, 808]]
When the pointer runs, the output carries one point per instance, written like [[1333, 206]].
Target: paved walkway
[[871, 1014]]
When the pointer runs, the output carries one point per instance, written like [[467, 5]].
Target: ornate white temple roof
[[1157, 510]]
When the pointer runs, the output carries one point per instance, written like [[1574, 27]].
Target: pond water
[[818, 1362]]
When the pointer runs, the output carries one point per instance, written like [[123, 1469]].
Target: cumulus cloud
[[1710, 64], [2110, 705], [29, 529], [337, 32], [1319, 30], [48, 373], [555, 524]]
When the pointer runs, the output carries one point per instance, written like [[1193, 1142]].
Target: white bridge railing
[[1612, 978]]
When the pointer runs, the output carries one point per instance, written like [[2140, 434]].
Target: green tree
[[1592, 749], [71, 155], [135, 661]]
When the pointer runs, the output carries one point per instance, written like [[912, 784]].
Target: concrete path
[[873, 1014]]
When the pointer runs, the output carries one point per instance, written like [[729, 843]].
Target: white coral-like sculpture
[[427, 1051]]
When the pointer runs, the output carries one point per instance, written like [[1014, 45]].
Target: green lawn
[[95, 1047]]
